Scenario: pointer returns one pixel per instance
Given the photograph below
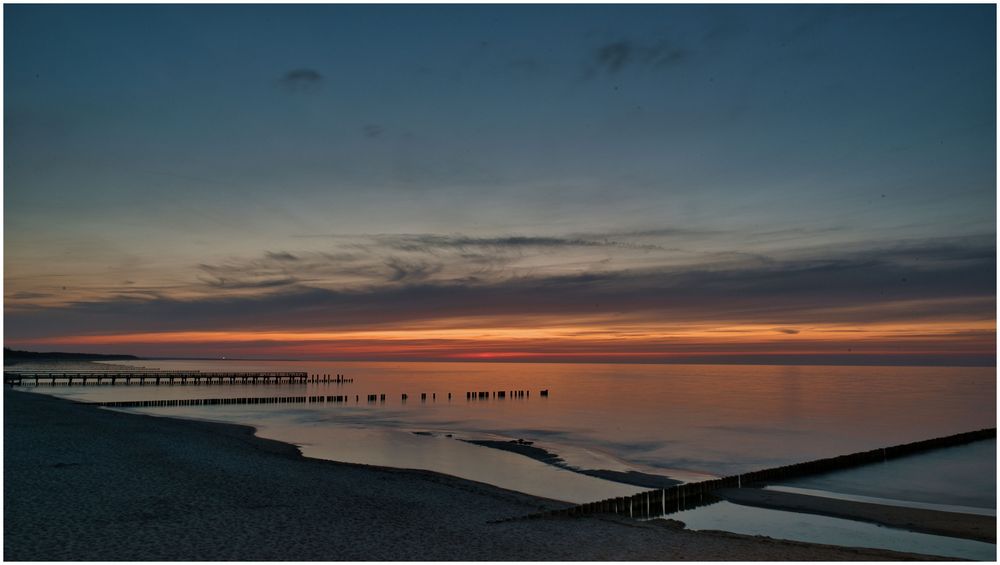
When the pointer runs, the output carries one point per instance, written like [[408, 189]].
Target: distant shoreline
[[11, 356]]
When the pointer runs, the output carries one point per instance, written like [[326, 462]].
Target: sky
[[651, 183]]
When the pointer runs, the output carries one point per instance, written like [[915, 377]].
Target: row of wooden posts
[[327, 378], [225, 401], [654, 503], [371, 398], [423, 396], [501, 394]]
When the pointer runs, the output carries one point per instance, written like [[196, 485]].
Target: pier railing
[[650, 504]]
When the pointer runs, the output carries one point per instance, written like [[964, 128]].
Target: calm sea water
[[683, 421]]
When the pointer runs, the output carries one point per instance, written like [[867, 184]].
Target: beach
[[83, 483]]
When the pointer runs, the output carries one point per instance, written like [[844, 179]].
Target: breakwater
[[297, 399], [330, 378], [501, 394], [654, 503], [342, 398]]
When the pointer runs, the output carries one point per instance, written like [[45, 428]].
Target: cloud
[[281, 256], [660, 232], [426, 242], [301, 79], [615, 56], [269, 272], [789, 331], [25, 295], [404, 271], [373, 130], [233, 284], [951, 282]]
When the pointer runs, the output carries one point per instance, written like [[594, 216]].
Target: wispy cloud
[[410, 271], [281, 256], [301, 79], [426, 242], [25, 295], [614, 57]]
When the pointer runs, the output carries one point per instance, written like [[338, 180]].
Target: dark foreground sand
[[83, 483], [969, 526]]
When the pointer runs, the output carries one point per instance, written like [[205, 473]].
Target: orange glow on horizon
[[584, 341]]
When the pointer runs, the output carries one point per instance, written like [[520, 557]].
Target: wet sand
[[627, 477], [954, 524], [83, 483]]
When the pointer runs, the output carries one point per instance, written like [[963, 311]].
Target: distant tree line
[[16, 355]]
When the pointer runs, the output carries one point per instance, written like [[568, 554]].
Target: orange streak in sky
[[586, 340]]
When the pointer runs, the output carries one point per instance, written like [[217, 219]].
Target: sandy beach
[[89, 484]]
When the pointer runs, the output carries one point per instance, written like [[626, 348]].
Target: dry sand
[[954, 524], [83, 483]]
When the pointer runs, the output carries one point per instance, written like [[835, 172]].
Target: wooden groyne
[[330, 378], [654, 503], [337, 399], [299, 399], [19, 378], [499, 394]]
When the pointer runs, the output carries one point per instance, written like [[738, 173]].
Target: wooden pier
[[20, 378], [655, 503]]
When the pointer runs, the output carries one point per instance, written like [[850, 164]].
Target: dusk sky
[[591, 183]]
